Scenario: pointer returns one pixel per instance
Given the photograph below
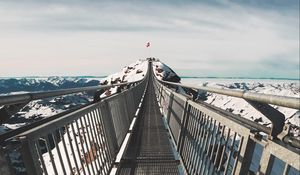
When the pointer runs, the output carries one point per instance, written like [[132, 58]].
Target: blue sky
[[251, 38]]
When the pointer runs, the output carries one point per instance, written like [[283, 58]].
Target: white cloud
[[98, 38]]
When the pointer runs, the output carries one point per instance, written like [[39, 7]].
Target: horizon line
[[196, 77]]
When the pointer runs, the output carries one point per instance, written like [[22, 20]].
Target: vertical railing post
[[109, 127], [245, 157], [160, 94], [171, 97], [185, 117], [4, 166], [125, 105], [266, 162], [30, 157]]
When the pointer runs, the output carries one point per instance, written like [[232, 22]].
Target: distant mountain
[[241, 78], [9, 85]]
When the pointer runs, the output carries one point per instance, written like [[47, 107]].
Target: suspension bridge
[[149, 128]]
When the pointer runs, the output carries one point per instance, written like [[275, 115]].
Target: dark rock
[[229, 109], [258, 120], [138, 71]]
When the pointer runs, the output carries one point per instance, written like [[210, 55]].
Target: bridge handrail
[[83, 140], [48, 94], [27, 97], [290, 102], [210, 141]]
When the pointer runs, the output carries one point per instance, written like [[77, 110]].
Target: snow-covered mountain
[[133, 72], [164, 72], [9, 85]]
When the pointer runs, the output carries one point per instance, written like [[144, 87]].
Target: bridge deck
[[149, 151]]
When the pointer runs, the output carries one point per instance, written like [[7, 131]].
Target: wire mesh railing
[[84, 141], [210, 140]]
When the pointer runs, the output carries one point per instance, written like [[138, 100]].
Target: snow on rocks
[[133, 72], [163, 72]]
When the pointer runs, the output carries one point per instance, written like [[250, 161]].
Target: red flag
[[148, 44]]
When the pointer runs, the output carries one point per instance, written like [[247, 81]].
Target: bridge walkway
[[149, 151]]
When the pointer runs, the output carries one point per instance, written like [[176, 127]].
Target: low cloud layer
[[220, 38]]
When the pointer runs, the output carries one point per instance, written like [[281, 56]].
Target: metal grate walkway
[[149, 151]]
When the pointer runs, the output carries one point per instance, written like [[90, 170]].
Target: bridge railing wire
[[210, 140]]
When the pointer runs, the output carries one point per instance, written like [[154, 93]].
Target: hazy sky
[[256, 38]]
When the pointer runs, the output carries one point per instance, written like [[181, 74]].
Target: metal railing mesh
[[209, 142], [84, 141]]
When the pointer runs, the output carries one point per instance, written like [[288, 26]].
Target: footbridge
[[149, 128]]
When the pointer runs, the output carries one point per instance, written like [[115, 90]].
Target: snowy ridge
[[12, 85], [133, 72]]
